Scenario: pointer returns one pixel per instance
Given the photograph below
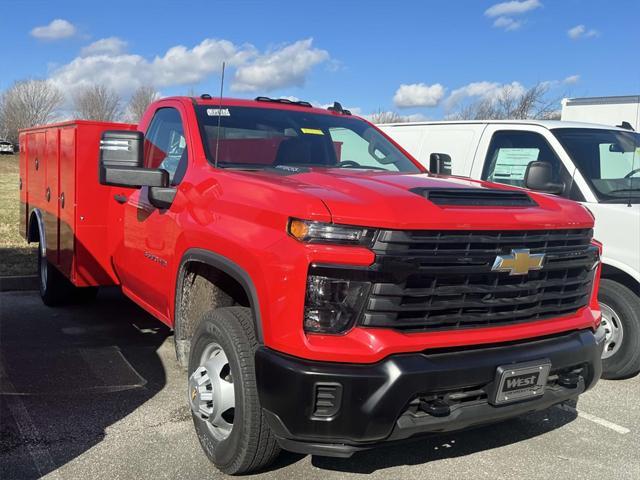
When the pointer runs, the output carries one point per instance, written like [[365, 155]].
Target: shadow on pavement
[[68, 373], [442, 446]]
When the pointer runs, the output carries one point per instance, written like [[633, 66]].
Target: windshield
[[257, 138], [608, 159]]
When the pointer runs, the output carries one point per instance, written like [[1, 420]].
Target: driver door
[[148, 257]]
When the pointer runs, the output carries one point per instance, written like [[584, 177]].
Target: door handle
[[120, 198]]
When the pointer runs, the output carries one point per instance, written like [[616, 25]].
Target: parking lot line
[[30, 436], [592, 418]]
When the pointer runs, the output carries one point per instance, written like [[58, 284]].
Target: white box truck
[[597, 165], [606, 110]]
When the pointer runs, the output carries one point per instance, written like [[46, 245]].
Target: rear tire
[[249, 444], [621, 318], [56, 289]]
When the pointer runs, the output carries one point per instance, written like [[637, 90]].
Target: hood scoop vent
[[475, 197]]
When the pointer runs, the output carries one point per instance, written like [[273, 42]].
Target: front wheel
[[621, 320], [223, 395]]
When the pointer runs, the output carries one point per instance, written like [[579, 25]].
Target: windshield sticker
[[218, 112], [511, 163], [312, 131]]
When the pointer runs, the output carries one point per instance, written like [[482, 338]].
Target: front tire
[[223, 395], [621, 319]]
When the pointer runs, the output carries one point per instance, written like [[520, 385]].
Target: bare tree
[[140, 100], [512, 104], [381, 116], [97, 102], [27, 103]]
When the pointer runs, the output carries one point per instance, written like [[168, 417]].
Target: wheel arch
[[216, 281], [36, 231], [613, 273]]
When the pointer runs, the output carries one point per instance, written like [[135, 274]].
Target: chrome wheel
[[613, 331], [211, 391]]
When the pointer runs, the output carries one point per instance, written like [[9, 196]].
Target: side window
[[511, 151], [351, 147], [165, 144]]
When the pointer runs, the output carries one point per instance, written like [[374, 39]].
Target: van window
[[608, 159], [511, 151]]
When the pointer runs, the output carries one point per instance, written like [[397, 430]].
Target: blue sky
[[421, 58]]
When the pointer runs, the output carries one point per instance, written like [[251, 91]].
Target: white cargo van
[[596, 165]]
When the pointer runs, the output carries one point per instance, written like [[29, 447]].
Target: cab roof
[[262, 102]]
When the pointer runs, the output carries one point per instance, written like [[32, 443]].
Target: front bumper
[[337, 409]]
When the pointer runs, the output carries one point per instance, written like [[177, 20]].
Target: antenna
[[215, 161]]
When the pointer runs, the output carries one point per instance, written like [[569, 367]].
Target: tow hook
[[435, 408], [569, 380]]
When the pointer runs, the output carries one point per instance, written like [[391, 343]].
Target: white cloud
[[106, 62], [56, 30], [418, 95], [508, 23], [125, 72], [283, 67], [483, 91], [571, 79], [580, 31], [107, 46], [512, 8]]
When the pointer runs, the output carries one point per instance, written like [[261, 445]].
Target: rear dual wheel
[[223, 395], [56, 289]]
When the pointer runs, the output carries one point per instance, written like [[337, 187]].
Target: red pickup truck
[[327, 293]]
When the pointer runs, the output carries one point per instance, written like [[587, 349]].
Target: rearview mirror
[[121, 161], [539, 176], [440, 163]]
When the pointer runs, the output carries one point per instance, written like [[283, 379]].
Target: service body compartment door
[[67, 168], [51, 192]]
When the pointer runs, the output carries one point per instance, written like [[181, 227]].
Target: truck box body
[[611, 111], [58, 178]]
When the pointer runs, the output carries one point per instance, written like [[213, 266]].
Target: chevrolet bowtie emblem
[[519, 262]]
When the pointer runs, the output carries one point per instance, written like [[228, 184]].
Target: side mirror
[[121, 160], [440, 163], [539, 176]]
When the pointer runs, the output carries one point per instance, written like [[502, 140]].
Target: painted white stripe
[[592, 418], [28, 432]]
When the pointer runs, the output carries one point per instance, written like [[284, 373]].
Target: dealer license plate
[[520, 381]]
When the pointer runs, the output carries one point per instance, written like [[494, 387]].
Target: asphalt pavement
[[93, 391]]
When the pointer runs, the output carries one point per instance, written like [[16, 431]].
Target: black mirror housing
[[440, 163], [122, 148], [539, 177], [122, 161]]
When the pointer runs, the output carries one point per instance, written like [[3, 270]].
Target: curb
[[18, 283]]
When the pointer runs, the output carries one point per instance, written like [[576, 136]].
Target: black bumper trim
[[376, 397]]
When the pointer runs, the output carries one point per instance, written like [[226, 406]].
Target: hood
[[385, 200]]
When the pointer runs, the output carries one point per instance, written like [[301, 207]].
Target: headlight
[[333, 304], [318, 232]]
